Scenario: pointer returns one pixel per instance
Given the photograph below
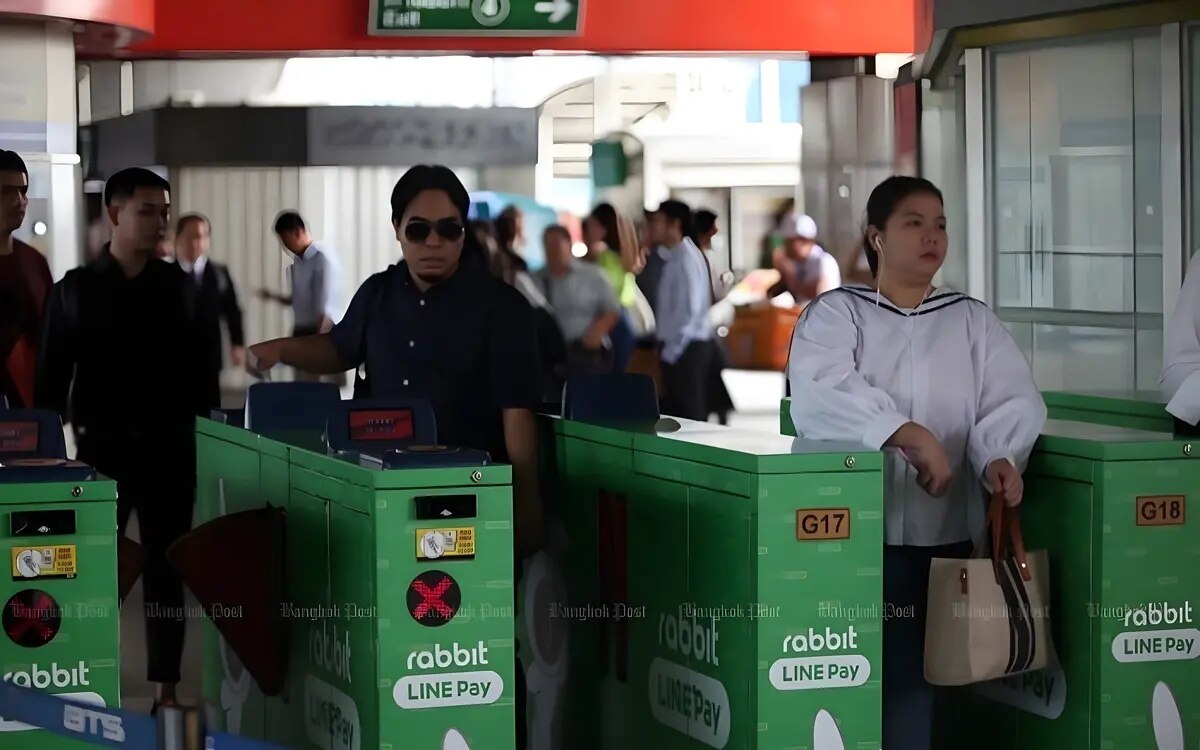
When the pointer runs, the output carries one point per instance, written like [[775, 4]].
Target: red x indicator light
[[433, 598], [32, 618]]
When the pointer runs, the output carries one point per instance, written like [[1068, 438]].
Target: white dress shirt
[[1180, 379], [684, 299], [859, 371]]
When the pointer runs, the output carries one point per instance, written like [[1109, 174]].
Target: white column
[[38, 121]]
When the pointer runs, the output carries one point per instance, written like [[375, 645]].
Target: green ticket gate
[[1141, 411], [1109, 504], [61, 614], [725, 587], [397, 604]]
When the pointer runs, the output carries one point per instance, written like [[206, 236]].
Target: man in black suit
[[217, 300]]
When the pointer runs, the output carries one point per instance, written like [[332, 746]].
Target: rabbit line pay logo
[[1042, 693], [821, 672], [1175, 644], [331, 717], [473, 688], [691, 703]]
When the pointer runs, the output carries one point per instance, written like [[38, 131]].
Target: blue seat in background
[[286, 407], [610, 399]]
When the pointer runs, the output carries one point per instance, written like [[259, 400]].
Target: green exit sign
[[476, 17]]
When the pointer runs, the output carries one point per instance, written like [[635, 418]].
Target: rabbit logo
[[234, 690], [826, 735], [1168, 725], [454, 741], [545, 678]]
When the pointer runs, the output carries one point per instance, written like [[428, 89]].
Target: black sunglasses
[[418, 230]]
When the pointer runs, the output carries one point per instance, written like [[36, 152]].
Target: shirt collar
[[196, 268]]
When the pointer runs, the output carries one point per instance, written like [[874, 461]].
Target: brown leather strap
[[1012, 524], [996, 518]]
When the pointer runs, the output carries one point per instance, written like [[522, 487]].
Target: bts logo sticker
[[433, 598]]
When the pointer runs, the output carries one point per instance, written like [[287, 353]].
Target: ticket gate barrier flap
[[234, 474], [242, 468], [244, 605], [1109, 504], [730, 544]]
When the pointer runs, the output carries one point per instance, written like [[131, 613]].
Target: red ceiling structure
[[262, 28]]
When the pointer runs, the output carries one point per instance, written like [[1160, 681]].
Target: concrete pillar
[[38, 121], [847, 146]]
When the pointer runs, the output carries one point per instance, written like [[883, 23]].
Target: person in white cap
[[805, 269]]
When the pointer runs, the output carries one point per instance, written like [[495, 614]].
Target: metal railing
[[169, 729]]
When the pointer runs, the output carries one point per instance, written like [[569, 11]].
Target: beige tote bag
[[989, 617]]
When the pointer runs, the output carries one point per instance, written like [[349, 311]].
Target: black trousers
[[907, 697], [686, 383], [157, 478], [1183, 429]]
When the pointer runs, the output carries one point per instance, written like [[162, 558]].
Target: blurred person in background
[[217, 301], [621, 265], [25, 282], [315, 278], [684, 299], [654, 256], [806, 271], [704, 229], [509, 235], [583, 303], [551, 346]]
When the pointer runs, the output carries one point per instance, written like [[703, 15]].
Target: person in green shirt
[[618, 255]]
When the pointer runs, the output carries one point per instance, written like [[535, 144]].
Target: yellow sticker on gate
[[53, 561], [435, 544]]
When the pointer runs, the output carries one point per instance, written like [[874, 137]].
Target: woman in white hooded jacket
[[936, 376]]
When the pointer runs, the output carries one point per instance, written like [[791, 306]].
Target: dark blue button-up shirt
[[468, 345]]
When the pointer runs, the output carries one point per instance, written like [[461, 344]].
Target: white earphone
[[878, 243]]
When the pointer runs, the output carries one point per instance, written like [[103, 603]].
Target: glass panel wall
[[1076, 208], [944, 162], [1193, 42]]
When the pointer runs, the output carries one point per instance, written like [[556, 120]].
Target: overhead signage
[[456, 137], [433, 598], [476, 17]]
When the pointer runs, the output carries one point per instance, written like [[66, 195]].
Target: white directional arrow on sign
[[556, 9]]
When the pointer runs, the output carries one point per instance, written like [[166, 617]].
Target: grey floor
[[755, 394]]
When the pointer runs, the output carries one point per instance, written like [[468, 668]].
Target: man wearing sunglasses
[[440, 326]]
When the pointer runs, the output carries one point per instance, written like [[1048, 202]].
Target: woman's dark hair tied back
[[882, 204]]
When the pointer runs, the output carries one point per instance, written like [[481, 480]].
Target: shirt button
[[422, 303], [406, 382], [412, 343]]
